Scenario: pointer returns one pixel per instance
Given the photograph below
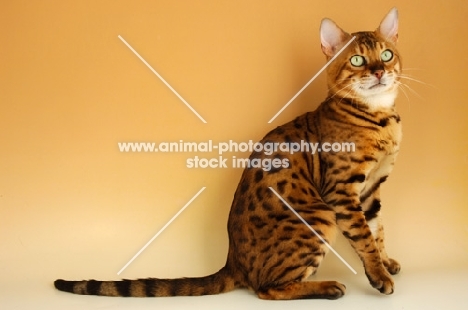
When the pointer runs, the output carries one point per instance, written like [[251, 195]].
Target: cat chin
[[380, 101]]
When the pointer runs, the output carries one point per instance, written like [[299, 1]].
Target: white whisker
[[411, 89], [403, 90], [404, 76], [343, 88], [409, 69]]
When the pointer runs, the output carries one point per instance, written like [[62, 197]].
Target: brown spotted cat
[[270, 250]]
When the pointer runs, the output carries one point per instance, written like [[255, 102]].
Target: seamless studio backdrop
[[73, 206]]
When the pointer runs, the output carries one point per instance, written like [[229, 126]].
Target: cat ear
[[389, 26], [332, 37]]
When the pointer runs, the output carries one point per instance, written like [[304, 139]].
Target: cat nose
[[379, 73]]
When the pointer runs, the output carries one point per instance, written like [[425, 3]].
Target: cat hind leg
[[304, 290]]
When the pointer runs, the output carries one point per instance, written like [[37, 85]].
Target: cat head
[[367, 71]]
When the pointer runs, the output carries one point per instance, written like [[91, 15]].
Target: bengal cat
[[270, 250]]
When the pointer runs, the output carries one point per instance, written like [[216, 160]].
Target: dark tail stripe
[[123, 287], [149, 287], [93, 287]]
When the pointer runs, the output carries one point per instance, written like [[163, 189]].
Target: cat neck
[[381, 101], [375, 103], [378, 103]]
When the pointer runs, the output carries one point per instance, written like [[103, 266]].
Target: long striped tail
[[217, 283]]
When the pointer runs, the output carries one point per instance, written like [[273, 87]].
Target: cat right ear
[[389, 26], [332, 37]]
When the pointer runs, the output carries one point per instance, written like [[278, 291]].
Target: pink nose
[[378, 74]]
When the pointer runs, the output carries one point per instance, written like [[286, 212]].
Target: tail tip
[[63, 285]]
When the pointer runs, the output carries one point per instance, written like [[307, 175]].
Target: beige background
[[73, 206]]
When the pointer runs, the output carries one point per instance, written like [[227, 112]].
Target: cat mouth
[[377, 85]]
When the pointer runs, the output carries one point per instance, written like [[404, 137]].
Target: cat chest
[[388, 138], [388, 145]]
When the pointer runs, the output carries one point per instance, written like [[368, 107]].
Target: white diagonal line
[[161, 230], [162, 79], [311, 80], [313, 230]]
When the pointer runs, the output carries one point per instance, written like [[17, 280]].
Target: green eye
[[386, 55], [357, 61]]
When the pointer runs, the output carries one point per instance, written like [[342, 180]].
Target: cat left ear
[[389, 26], [332, 37]]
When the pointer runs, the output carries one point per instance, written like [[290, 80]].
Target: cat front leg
[[378, 232], [371, 206], [352, 222]]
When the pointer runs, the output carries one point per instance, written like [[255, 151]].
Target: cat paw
[[381, 280], [392, 266], [333, 289]]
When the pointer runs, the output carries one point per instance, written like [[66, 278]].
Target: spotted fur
[[270, 250]]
